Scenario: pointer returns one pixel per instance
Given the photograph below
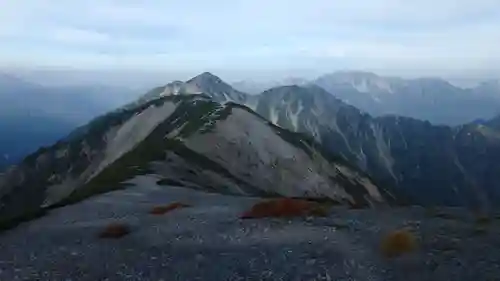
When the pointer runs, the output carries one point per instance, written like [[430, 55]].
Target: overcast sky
[[423, 37]]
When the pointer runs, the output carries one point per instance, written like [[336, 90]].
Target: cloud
[[234, 34]]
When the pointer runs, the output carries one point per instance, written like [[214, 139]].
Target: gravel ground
[[209, 242]]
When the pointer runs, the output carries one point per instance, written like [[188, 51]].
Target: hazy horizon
[[144, 80], [253, 40]]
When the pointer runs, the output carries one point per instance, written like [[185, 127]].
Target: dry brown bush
[[163, 209]]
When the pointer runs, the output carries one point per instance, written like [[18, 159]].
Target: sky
[[425, 37]]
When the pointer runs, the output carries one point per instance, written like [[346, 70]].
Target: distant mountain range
[[298, 141], [59, 109], [431, 99], [32, 115], [426, 163]]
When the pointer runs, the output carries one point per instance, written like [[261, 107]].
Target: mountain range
[[431, 165], [419, 162], [32, 115], [296, 141], [59, 107], [184, 140], [430, 99]]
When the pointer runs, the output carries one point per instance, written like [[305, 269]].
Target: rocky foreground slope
[[209, 241], [188, 140]]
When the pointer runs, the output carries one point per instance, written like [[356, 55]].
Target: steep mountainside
[[187, 140], [429, 99], [428, 164]]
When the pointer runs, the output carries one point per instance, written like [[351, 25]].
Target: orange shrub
[[283, 207], [398, 242], [115, 230], [160, 210]]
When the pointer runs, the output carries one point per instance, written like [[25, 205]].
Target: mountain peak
[[206, 78]]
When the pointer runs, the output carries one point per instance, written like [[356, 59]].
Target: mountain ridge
[[189, 140], [403, 152], [410, 161], [426, 98]]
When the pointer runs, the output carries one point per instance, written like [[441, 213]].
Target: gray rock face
[[187, 139]]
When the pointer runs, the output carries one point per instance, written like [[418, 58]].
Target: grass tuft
[[397, 243], [161, 210]]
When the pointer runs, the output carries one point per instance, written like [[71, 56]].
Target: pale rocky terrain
[[209, 241]]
